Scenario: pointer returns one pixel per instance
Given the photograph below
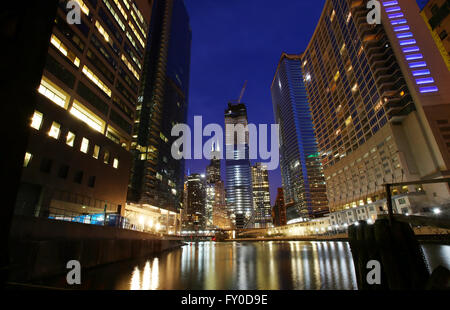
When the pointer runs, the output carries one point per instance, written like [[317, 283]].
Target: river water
[[242, 266]]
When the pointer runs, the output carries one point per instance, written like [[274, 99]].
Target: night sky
[[238, 40]]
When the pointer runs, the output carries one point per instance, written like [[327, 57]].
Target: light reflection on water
[[239, 266], [235, 266]]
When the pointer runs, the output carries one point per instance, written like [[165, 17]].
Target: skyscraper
[[238, 168], [157, 178], [301, 168], [261, 196], [380, 104], [78, 157], [213, 177], [195, 201]]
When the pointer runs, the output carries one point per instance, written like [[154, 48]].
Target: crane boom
[[242, 92]]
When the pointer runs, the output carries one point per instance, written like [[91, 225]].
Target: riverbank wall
[[41, 248]]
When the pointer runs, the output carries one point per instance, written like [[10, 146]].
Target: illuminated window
[[102, 31], [113, 13], [130, 67], [70, 140], [333, 14], [96, 80], [27, 160], [136, 34], [55, 130], [139, 26], [163, 137], [106, 157], [64, 50], [55, 95], [116, 163], [337, 75], [96, 154], [159, 176], [88, 117], [348, 121], [119, 6], [84, 146], [36, 121], [83, 7]]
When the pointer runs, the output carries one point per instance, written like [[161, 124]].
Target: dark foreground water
[[242, 266]]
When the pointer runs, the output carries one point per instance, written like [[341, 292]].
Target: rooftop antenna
[[242, 92]]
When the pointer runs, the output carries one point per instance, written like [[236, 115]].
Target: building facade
[[261, 197], [380, 103], [194, 208], [215, 195], [436, 14], [157, 178], [78, 158], [301, 167], [238, 168]]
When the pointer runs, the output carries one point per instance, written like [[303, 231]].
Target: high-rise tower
[[261, 196], [238, 168], [157, 178], [78, 158], [301, 168]]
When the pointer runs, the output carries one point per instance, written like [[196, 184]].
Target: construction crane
[[242, 92]]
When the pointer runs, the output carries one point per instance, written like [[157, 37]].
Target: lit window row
[[64, 50], [52, 93], [114, 14], [141, 18], [97, 81], [139, 26], [55, 133], [102, 31], [88, 117], [122, 11], [408, 44], [127, 5], [136, 34], [130, 67], [132, 40]]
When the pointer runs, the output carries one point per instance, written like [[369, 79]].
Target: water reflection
[[238, 266], [150, 277]]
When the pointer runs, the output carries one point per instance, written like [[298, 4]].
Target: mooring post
[[389, 203]]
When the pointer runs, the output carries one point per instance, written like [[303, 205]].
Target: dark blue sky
[[238, 40]]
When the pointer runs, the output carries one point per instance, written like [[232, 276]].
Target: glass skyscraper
[[157, 178], [301, 170], [238, 169]]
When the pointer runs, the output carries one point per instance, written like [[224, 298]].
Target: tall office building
[[157, 178], [195, 202], [213, 177], [238, 168], [261, 196], [221, 218], [78, 158], [301, 167], [436, 14], [380, 104]]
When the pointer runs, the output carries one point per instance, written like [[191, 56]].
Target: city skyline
[[236, 48]]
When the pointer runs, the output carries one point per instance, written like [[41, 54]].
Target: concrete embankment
[[42, 248]]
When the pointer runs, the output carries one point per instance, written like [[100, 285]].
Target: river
[[242, 266]]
